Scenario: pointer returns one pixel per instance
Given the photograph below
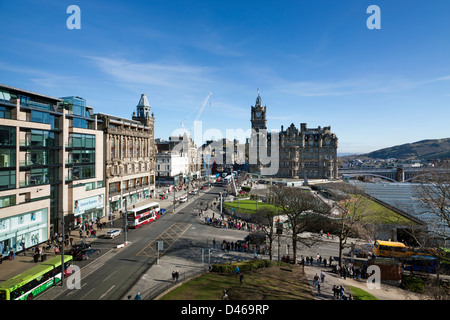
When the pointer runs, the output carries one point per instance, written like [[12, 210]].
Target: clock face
[[258, 114]]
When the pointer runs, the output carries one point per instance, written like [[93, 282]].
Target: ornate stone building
[[129, 156], [302, 152]]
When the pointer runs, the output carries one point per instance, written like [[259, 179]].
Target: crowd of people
[[231, 223]]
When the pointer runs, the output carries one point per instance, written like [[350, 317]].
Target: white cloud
[[175, 76]]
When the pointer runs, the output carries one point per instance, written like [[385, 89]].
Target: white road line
[[109, 276], [106, 293]]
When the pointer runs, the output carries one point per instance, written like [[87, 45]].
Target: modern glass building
[[48, 164]]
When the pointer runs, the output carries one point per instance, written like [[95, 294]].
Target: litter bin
[[43, 257]]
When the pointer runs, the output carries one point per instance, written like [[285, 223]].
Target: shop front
[[22, 231], [88, 209]]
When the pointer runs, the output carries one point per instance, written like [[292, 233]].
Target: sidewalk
[[386, 292], [21, 263]]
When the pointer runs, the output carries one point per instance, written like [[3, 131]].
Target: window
[[36, 157], [44, 117], [78, 172], [82, 123], [78, 140], [5, 113], [82, 156], [5, 95], [7, 136], [7, 201], [90, 186], [7, 179]]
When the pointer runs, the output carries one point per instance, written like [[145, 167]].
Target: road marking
[[106, 292], [109, 276], [170, 236], [87, 293]]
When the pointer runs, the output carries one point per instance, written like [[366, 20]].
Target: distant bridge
[[393, 174]]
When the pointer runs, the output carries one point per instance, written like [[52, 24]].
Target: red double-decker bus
[[142, 215]]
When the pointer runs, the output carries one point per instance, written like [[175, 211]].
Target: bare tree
[[354, 221], [302, 210], [265, 217], [434, 191], [434, 194]]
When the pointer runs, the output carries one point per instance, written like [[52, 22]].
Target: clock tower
[[258, 119], [258, 136]]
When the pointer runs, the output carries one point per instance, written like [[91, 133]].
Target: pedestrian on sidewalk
[[341, 292], [138, 296], [316, 280], [322, 276]]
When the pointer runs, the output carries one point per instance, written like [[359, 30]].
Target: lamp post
[[125, 226], [62, 247], [62, 251]]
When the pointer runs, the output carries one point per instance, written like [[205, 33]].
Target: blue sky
[[313, 61]]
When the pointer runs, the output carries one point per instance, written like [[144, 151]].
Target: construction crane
[[199, 113]]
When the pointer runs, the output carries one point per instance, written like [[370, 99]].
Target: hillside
[[424, 149]]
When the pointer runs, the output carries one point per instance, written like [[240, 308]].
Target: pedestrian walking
[[316, 280], [318, 288], [341, 292], [138, 296], [322, 276], [241, 277]]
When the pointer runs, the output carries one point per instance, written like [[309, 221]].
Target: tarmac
[[155, 283]]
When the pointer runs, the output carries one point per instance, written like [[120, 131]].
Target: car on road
[[86, 253], [193, 192], [111, 234], [77, 247], [183, 199]]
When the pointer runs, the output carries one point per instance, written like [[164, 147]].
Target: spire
[[143, 102], [258, 100], [143, 107]]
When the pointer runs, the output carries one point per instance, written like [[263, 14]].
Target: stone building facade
[[129, 156], [302, 152]]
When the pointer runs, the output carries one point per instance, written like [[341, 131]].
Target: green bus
[[30, 283]]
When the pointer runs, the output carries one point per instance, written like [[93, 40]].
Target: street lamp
[[62, 247], [125, 226]]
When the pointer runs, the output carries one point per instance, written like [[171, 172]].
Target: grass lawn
[[376, 213], [273, 283], [247, 206], [359, 294]]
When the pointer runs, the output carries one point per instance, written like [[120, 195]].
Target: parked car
[[77, 247], [86, 253], [111, 234]]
